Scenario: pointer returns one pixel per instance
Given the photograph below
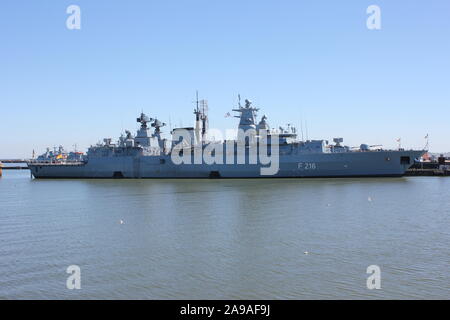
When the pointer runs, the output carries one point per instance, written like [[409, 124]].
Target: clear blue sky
[[311, 59]]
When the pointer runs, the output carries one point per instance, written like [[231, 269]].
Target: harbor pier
[[441, 167], [13, 164]]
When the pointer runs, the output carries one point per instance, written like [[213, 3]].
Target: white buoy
[[121, 222]]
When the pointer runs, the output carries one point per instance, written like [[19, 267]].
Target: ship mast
[[247, 115], [201, 119]]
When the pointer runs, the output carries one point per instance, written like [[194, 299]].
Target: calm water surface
[[224, 239]]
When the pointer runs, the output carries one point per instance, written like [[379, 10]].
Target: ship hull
[[346, 164]]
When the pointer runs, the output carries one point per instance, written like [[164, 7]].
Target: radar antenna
[[204, 117], [247, 115], [143, 120], [201, 119], [157, 125]]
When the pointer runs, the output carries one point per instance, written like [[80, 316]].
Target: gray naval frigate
[[257, 152]]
